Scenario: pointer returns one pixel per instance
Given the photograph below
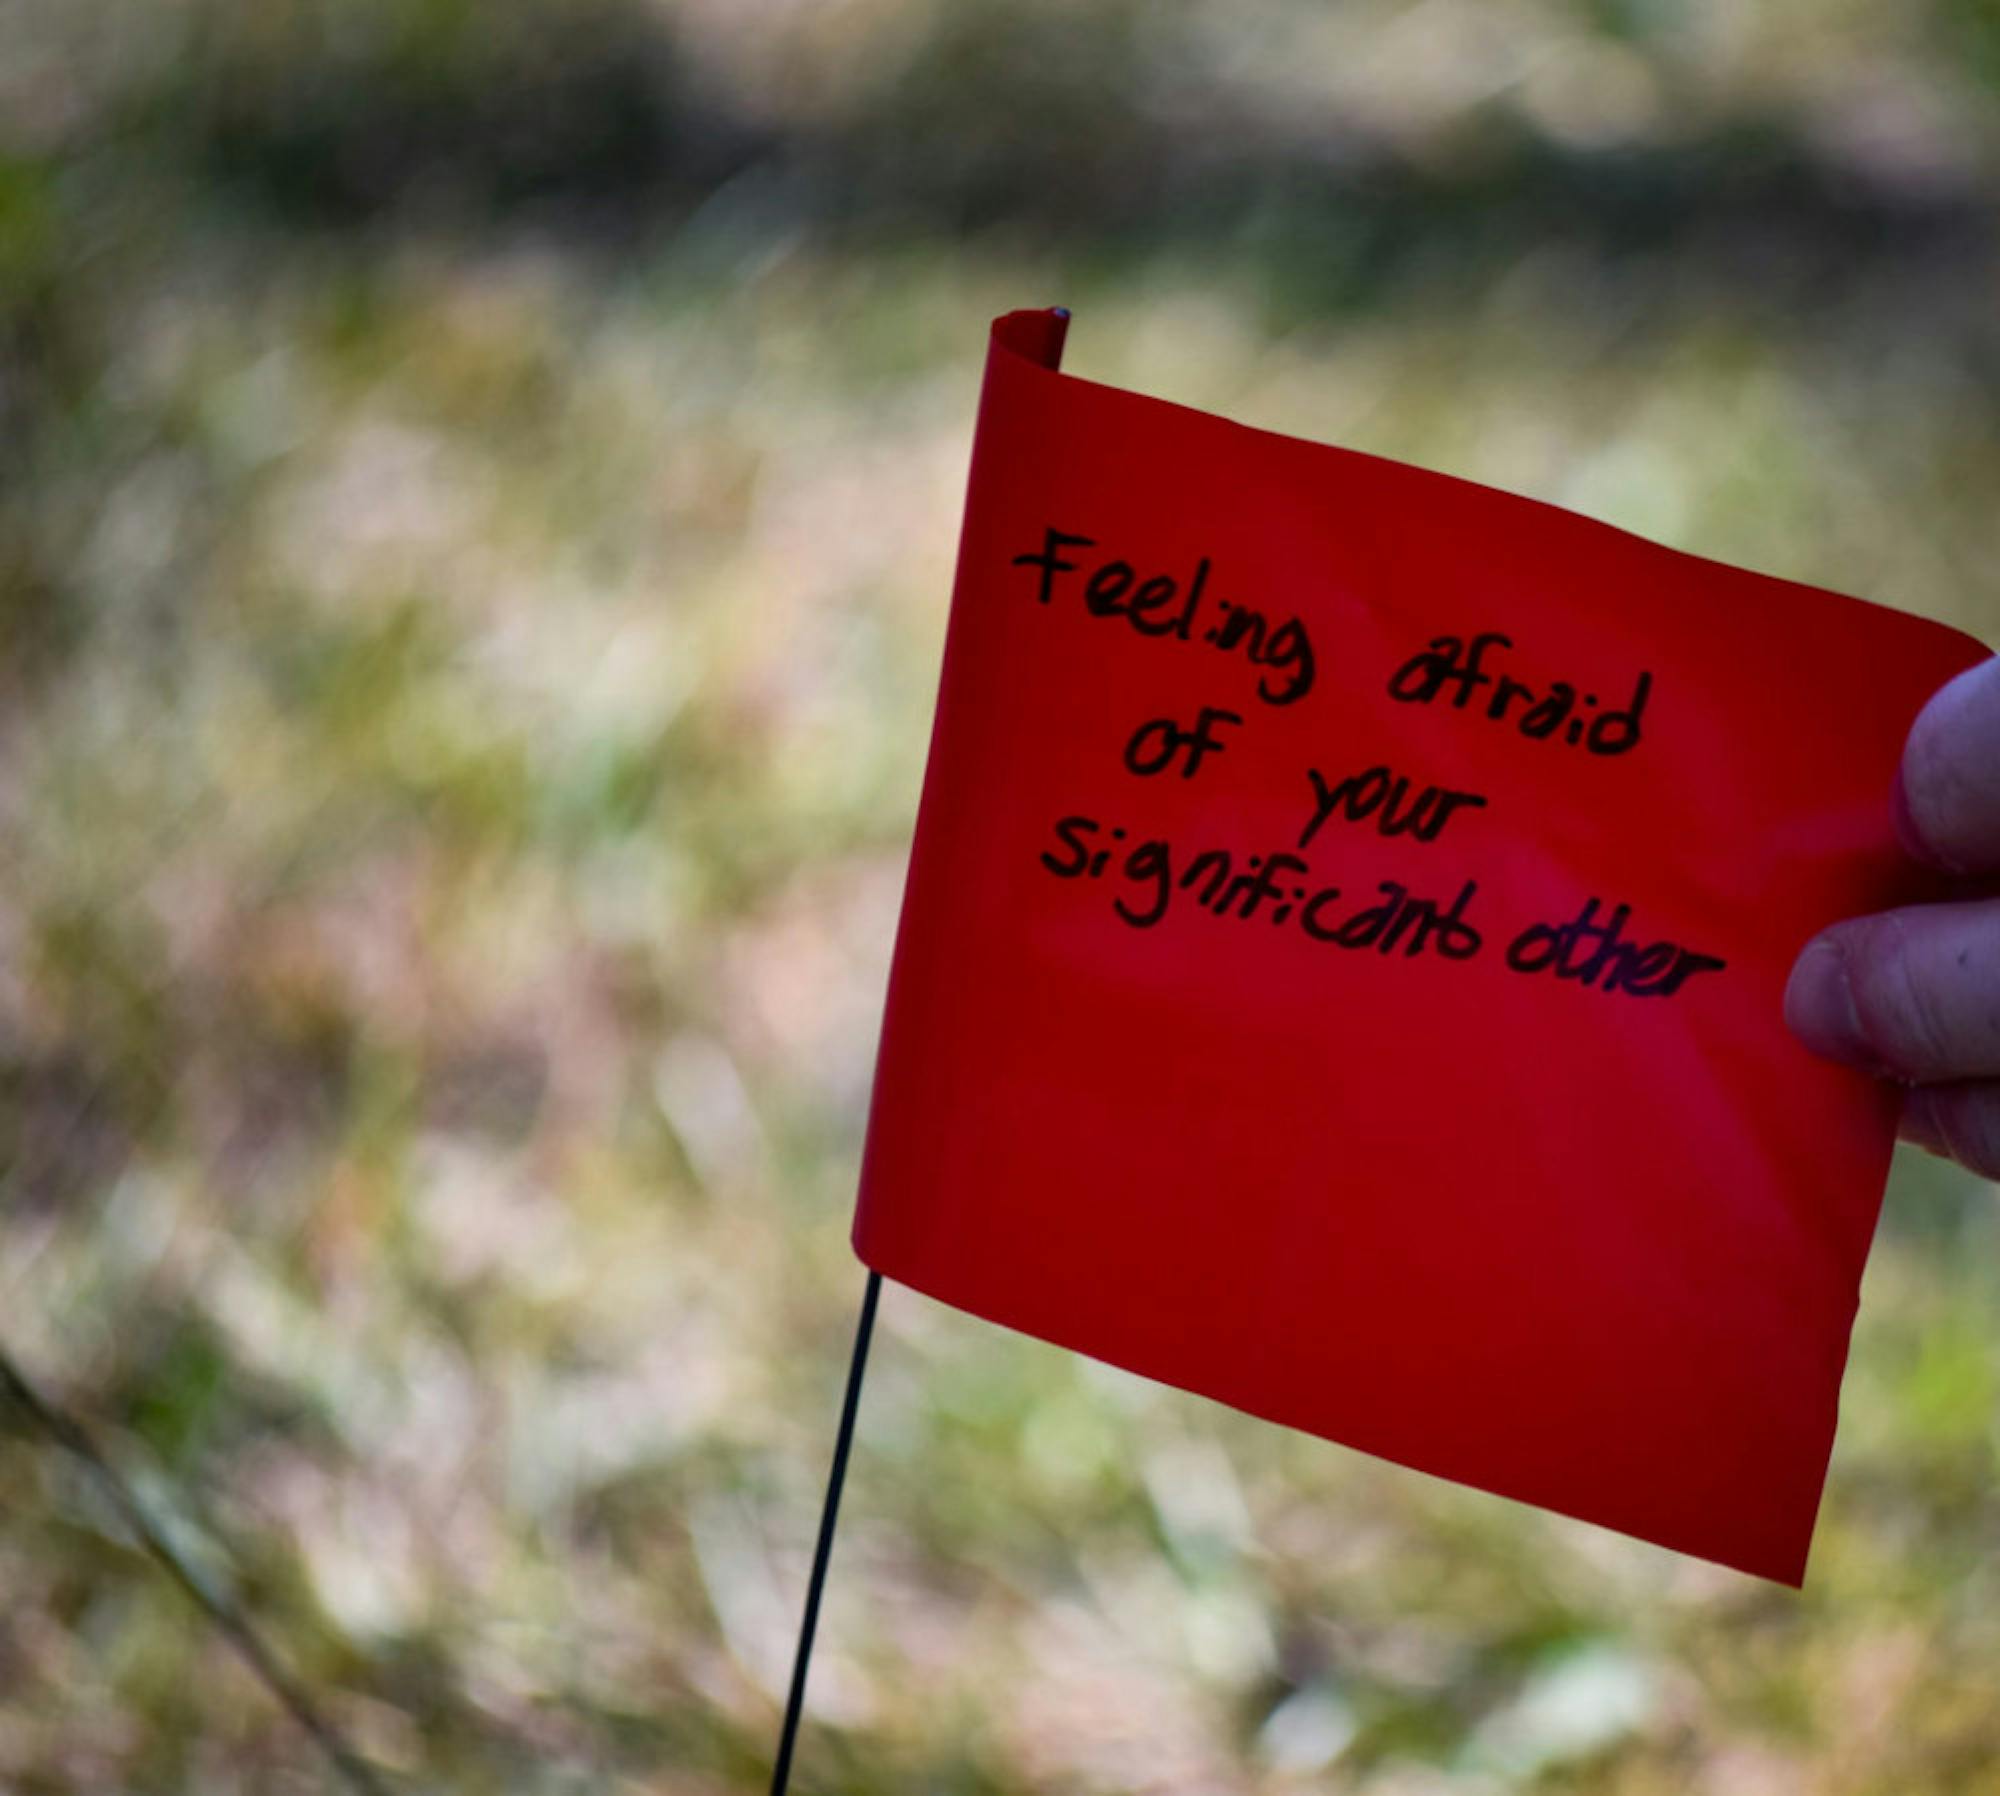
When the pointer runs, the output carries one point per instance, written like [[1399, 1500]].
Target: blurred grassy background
[[477, 496]]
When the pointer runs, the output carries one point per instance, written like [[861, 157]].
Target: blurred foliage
[[477, 494]]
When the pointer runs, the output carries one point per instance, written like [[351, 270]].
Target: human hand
[[1914, 995]]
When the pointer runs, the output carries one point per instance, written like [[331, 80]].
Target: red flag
[[1341, 965]]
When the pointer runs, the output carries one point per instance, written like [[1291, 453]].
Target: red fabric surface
[[1590, 1243]]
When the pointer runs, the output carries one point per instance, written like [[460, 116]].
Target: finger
[[1913, 994], [1917, 1122], [1960, 1121], [1948, 792]]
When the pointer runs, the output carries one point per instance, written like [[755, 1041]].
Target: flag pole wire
[[781, 1772], [67, 1433]]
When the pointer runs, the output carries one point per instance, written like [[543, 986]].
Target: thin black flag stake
[[782, 1772]]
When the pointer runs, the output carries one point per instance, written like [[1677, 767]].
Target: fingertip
[[1819, 1002], [1946, 797], [1909, 835]]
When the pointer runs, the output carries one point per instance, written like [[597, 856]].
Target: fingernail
[[1819, 1004], [1908, 835]]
